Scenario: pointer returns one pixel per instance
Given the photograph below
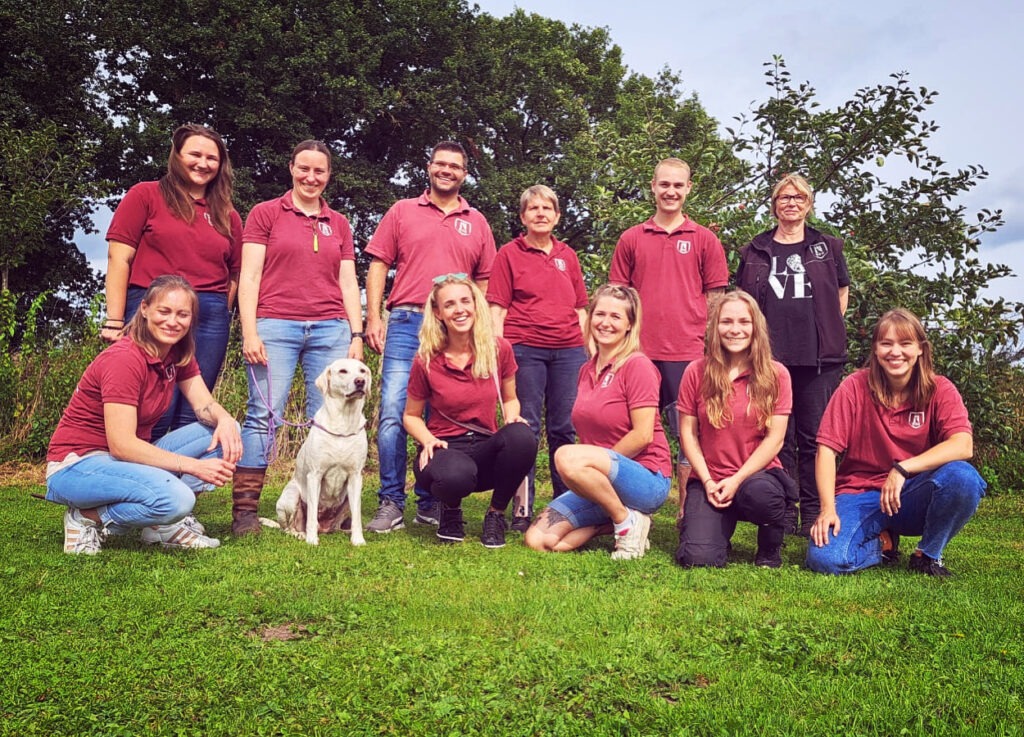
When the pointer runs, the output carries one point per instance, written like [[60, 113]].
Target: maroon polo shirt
[[873, 437], [457, 393], [601, 413], [121, 374], [420, 241], [304, 254], [541, 292], [726, 450], [672, 272], [165, 244]]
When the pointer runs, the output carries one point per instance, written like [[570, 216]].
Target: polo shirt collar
[[289, 204], [686, 226], [156, 362], [424, 201], [521, 242]]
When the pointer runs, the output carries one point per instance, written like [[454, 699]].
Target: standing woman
[[458, 371], [539, 303], [733, 408], [800, 281], [102, 465], [183, 224], [621, 471], [906, 439], [298, 301]]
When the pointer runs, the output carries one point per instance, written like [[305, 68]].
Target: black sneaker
[[890, 548], [928, 566], [494, 530], [451, 528], [768, 558], [520, 524], [428, 515]]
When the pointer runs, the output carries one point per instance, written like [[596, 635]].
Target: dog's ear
[[323, 381]]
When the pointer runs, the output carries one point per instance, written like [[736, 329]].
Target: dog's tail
[[267, 522]]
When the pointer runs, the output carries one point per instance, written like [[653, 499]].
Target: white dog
[[329, 468]]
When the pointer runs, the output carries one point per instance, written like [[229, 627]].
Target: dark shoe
[[494, 530], [451, 528], [388, 517], [428, 515], [520, 524], [921, 563], [768, 558], [890, 548], [246, 487], [769, 546]]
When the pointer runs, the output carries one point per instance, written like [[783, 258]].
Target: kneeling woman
[[905, 437], [620, 472], [734, 405], [101, 463], [462, 372]]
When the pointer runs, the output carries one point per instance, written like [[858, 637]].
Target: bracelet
[[901, 470], [108, 326], [361, 335]]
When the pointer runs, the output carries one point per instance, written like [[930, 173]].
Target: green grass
[[273, 637]]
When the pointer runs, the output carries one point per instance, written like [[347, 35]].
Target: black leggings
[[474, 462], [706, 530]]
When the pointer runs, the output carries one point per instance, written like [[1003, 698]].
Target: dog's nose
[[360, 382]]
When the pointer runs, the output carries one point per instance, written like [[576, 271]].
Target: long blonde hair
[[715, 386], [631, 343], [434, 333], [922, 378], [138, 328]]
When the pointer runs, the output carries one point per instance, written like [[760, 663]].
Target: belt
[[408, 308]]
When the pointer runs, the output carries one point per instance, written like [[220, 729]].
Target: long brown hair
[[138, 329], [631, 343], [174, 184], [921, 386], [715, 386], [434, 334]]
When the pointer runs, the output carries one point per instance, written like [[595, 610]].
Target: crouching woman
[[102, 466], [906, 439]]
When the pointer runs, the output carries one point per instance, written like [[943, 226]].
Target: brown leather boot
[[245, 500]]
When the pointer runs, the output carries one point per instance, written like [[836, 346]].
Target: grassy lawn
[[273, 637]]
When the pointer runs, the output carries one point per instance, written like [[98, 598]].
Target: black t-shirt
[[789, 306]]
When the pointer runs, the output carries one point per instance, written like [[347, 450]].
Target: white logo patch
[[916, 420], [325, 228], [607, 379], [820, 250], [683, 247], [559, 263], [463, 227]]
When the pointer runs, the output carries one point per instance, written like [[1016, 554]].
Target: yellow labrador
[[329, 468]]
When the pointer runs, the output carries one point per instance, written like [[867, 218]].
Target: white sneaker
[[82, 536], [193, 524], [633, 543], [178, 535]]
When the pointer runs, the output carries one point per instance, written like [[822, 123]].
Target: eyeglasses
[[441, 279], [448, 165], [785, 199]]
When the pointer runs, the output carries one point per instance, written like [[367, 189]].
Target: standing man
[[676, 265], [424, 237]]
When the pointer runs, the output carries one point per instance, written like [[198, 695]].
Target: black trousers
[[475, 462], [706, 530]]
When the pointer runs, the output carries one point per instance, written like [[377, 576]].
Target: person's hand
[[374, 330], [720, 493], [216, 471], [891, 491], [827, 519], [428, 450], [254, 351], [517, 418], [111, 335], [226, 435], [355, 349]]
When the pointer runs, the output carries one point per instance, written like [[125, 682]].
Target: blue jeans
[[134, 494], [211, 335], [400, 346], [315, 345], [637, 487], [935, 505], [547, 378]]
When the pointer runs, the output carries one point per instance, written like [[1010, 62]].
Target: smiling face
[[609, 321], [199, 159], [455, 308], [310, 171], [670, 186], [539, 217], [168, 318], [735, 327], [792, 205], [447, 172], [897, 355]]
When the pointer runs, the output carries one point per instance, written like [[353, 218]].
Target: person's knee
[[827, 559], [960, 478], [520, 438], [175, 501], [536, 539], [692, 555]]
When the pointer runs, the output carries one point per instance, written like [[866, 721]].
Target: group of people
[[485, 348]]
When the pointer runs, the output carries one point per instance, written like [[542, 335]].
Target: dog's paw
[[358, 540], [313, 539]]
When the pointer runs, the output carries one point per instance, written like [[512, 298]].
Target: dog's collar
[[362, 426]]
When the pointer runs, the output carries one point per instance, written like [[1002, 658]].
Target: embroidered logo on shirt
[[325, 228], [559, 263], [209, 219], [607, 379], [916, 420], [820, 250], [463, 227], [683, 247]]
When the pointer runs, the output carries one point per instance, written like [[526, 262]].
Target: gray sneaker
[[428, 516], [389, 517], [633, 543]]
